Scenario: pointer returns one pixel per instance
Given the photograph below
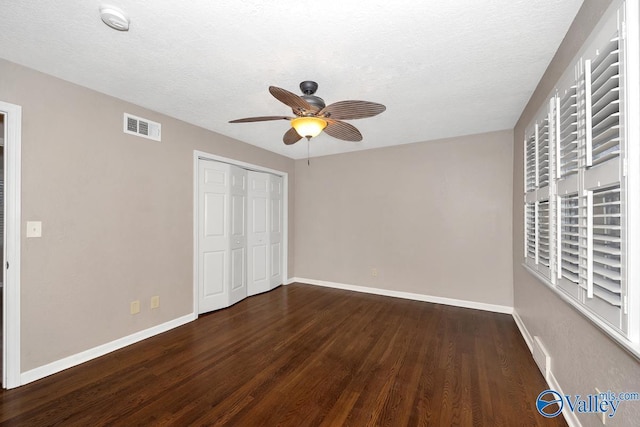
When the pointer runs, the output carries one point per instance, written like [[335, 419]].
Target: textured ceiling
[[443, 68]]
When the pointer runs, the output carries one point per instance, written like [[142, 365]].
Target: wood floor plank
[[302, 355]]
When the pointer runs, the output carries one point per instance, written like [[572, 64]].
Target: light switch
[[34, 228]]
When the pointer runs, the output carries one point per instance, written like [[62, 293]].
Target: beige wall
[[582, 357], [116, 214], [434, 218]]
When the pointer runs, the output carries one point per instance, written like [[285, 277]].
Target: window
[[576, 182], [539, 204]]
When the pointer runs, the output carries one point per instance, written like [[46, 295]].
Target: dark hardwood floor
[[302, 355]]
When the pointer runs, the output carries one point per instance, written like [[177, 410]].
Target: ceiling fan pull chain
[[308, 142]]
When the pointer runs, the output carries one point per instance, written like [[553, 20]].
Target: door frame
[[197, 155], [11, 276]]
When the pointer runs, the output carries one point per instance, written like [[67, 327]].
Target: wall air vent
[[142, 127]]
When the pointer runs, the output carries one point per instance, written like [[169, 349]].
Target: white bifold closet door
[[239, 234], [264, 232], [258, 238], [221, 235], [238, 237]]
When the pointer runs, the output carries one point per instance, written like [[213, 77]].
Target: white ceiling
[[443, 68]]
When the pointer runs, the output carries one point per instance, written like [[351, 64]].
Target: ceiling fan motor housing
[[308, 88], [315, 101]]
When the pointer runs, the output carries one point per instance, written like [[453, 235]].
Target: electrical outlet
[[135, 307], [374, 272], [155, 301]]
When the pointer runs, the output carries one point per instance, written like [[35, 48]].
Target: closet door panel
[[238, 238], [259, 214], [214, 269], [238, 268], [275, 230], [213, 235], [214, 215], [258, 237], [276, 263], [259, 265]]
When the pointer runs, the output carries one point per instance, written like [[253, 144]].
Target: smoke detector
[[114, 17]]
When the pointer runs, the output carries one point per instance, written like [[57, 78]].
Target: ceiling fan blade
[[342, 130], [291, 137], [291, 99], [349, 110], [260, 119]]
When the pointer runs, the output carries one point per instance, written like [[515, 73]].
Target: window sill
[[632, 348]]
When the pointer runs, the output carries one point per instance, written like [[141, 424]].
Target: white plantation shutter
[[604, 181], [543, 211], [531, 163], [570, 218], [581, 177], [538, 206], [607, 245], [607, 256], [544, 244], [530, 249], [567, 128], [603, 74], [584, 242], [569, 237], [583, 117], [530, 186], [543, 164]]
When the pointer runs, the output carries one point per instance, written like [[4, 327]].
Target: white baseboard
[[570, 417], [407, 295], [101, 350], [552, 382], [523, 331]]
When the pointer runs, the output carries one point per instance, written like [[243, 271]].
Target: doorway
[[10, 133], [2, 168]]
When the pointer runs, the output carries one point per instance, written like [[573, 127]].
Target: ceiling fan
[[312, 116]]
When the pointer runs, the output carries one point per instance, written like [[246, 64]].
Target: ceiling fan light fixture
[[308, 127]]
